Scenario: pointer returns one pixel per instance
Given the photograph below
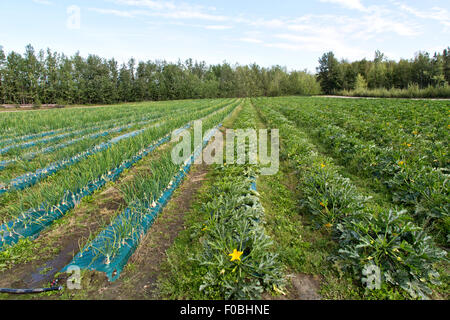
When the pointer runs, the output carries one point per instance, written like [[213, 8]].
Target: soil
[[301, 286], [305, 287]]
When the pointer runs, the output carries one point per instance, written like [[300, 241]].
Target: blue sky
[[290, 33]]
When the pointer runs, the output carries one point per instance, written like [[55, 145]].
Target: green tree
[[446, 58], [402, 74], [66, 87], [2, 75], [329, 74], [422, 69], [125, 84], [361, 83], [32, 70], [14, 79]]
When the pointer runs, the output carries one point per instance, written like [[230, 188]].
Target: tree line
[[423, 71], [54, 78], [48, 77]]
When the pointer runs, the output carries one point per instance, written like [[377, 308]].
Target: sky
[[290, 33]]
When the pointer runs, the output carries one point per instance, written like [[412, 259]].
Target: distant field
[[363, 185]]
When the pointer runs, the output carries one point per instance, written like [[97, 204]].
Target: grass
[[301, 248], [22, 252], [180, 274]]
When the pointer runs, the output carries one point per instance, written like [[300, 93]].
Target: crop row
[[11, 123], [410, 181], [426, 140], [153, 117], [121, 119], [146, 196], [30, 178], [138, 119], [30, 223], [236, 256], [31, 155], [50, 191], [370, 117], [73, 147], [370, 237]]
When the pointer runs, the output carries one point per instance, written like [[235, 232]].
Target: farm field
[[362, 190]]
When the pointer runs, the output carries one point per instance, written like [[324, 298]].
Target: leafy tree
[[2, 74], [125, 85], [422, 71], [446, 58], [329, 74], [402, 74], [361, 83], [31, 69], [51, 77]]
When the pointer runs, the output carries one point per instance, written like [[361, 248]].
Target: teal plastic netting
[[30, 179], [30, 144], [29, 137], [108, 253], [32, 155], [32, 222]]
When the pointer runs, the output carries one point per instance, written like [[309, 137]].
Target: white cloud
[[119, 13], [190, 14], [218, 27], [348, 36], [272, 23], [44, 2], [435, 13], [251, 40], [364, 27], [350, 4], [353, 37], [325, 40], [169, 9], [377, 24], [156, 5]]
